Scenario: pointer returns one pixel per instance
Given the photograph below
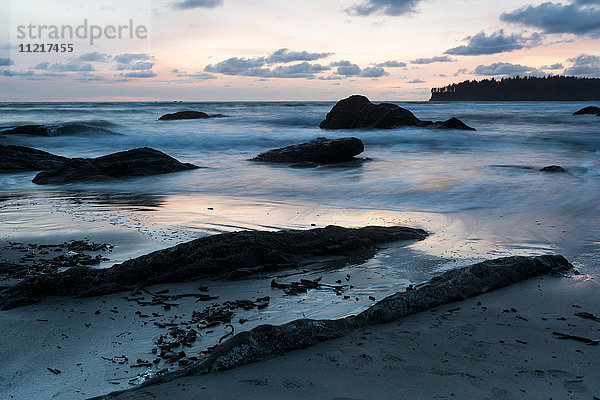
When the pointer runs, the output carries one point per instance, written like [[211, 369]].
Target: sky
[[202, 50]]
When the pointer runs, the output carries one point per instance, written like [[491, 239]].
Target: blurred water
[[488, 178]]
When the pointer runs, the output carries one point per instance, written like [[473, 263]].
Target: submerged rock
[[19, 158], [553, 168], [358, 112], [267, 341], [588, 110], [58, 130], [137, 162], [452, 123], [185, 115], [319, 151], [224, 256]]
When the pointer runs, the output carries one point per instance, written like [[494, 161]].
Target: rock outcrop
[[137, 162], [318, 151], [19, 158], [224, 256], [553, 168], [59, 130], [268, 341], [358, 112], [452, 123], [588, 110], [184, 115]]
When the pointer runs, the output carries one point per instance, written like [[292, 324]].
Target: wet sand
[[62, 333], [499, 345]]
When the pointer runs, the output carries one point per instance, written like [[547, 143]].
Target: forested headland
[[549, 88]]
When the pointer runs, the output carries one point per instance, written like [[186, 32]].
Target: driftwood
[[267, 341]]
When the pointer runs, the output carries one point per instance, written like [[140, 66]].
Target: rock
[[267, 341], [137, 162], [553, 168], [58, 130], [319, 151], [588, 110], [358, 112], [185, 115], [452, 123], [224, 256], [19, 158]]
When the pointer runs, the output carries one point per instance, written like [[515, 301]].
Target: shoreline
[[496, 345]]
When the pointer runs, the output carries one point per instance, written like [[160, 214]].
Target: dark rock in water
[[553, 168], [19, 158], [267, 341], [305, 164], [320, 151], [588, 110], [224, 256], [185, 115], [452, 123], [136, 162], [58, 130], [358, 112]]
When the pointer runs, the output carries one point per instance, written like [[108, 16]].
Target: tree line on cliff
[[528, 88]]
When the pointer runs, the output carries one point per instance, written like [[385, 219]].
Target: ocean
[[479, 193]]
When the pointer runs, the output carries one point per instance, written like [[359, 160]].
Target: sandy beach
[[499, 345]]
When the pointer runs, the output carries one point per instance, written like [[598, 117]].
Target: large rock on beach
[[184, 115], [137, 162], [71, 129], [588, 110], [223, 256], [359, 112], [19, 158], [319, 151]]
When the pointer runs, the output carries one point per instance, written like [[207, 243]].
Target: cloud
[[553, 66], [195, 75], [387, 7], [580, 18], [497, 42], [11, 73], [346, 68], [42, 66], [136, 63], [584, 65], [235, 66], [138, 66], [94, 57], [265, 67], [128, 58], [505, 69], [139, 74], [189, 4], [416, 81], [392, 64], [433, 60], [287, 56], [373, 72], [6, 61], [71, 66]]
